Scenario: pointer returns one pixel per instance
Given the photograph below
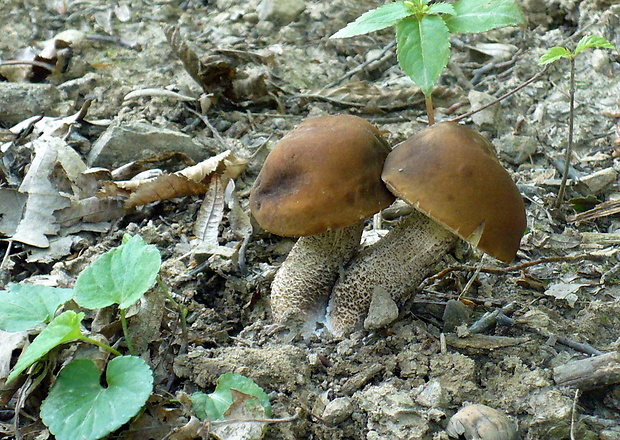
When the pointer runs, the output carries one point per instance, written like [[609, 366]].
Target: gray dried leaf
[[210, 214]]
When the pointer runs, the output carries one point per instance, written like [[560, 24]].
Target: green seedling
[[78, 406], [423, 32], [236, 399], [215, 406], [552, 55]]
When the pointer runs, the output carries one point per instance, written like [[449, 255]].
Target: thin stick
[[516, 267], [504, 96], [472, 279], [41, 64], [572, 418], [569, 147]]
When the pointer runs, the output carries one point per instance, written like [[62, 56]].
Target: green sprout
[[423, 32], [553, 55]]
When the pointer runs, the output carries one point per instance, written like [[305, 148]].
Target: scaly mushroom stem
[[301, 287], [398, 263]]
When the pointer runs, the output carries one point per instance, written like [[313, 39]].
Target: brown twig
[[504, 96], [514, 268]]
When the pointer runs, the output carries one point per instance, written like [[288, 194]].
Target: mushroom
[[319, 183], [452, 177]]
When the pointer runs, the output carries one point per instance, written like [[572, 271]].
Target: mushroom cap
[[451, 174], [323, 175]]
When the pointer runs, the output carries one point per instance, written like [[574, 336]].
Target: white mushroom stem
[[397, 263], [302, 285]]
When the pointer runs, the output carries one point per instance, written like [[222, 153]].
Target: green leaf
[[215, 405], [554, 54], [24, 306], [376, 19], [120, 276], [65, 327], [441, 8], [483, 15], [423, 49], [593, 41], [78, 407]]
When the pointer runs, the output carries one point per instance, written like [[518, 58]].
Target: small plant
[[423, 32], [552, 55], [78, 406]]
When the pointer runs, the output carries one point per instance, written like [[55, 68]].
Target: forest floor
[[404, 381]]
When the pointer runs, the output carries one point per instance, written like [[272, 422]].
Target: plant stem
[[569, 147], [106, 347], [126, 333], [430, 111], [182, 314]]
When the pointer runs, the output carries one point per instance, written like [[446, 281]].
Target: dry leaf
[[53, 157], [206, 227], [193, 180]]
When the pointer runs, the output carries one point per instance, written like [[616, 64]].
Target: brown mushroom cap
[[451, 174], [324, 175]]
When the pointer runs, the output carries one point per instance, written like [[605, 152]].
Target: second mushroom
[[452, 178]]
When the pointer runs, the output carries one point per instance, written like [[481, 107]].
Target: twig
[[515, 268], [572, 417], [216, 134], [472, 278], [504, 96], [491, 318], [41, 64]]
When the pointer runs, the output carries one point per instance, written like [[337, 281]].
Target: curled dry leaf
[[193, 180], [231, 77]]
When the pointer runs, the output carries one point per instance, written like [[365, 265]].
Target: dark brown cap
[[324, 175], [451, 174]]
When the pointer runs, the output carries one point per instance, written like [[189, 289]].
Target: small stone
[[123, 144], [597, 181], [19, 101], [432, 396], [455, 314], [280, 12], [337, 411], [515, 149], [383, 310], [485, 119]]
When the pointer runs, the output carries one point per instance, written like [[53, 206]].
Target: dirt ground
[[406, 380]]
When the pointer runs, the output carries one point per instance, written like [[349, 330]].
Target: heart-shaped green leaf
[[483, 15], [120, 276], [215, 405], [78, 407], [65, 327], [423, 49], [24, 306]]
